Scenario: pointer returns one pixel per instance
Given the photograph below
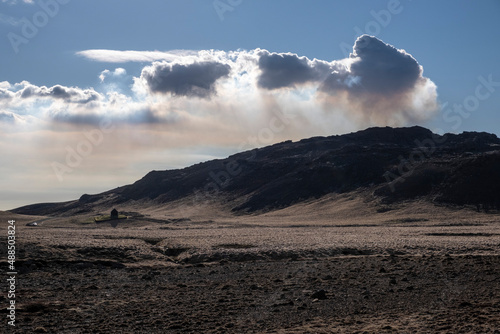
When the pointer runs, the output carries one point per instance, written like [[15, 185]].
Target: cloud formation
[[13, 2], [117, 56], [67, 94], [194, 80], [382, 68], [280, 70], [117, 73], [376, 85], [7, 117], [376, 68], [381, 85]]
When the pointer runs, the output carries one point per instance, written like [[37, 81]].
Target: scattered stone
[[35, 307], [147, 277], [321, 295], [302, 307]]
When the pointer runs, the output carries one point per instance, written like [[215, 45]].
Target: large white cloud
[[377, 85]]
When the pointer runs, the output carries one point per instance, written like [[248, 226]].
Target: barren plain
[[341, 264]]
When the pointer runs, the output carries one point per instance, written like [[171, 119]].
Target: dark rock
[[321, 295], [465, 304], [35, 307]]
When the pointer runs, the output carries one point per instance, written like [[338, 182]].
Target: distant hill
[[393, 164]]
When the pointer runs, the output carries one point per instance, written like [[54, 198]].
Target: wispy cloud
[[9, 20], [14, 2], [117, 73], [116, 56]]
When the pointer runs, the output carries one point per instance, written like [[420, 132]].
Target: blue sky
[[158, 126]]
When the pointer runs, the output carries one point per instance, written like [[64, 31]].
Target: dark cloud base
[[193, 80]]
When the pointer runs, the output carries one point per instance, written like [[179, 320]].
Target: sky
[[94, 94]]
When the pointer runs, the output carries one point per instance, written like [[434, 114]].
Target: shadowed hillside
[[394, 164]]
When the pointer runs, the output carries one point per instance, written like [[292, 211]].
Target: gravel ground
[[402, 272]]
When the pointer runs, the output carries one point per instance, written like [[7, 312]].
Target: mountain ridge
[[394, 164]]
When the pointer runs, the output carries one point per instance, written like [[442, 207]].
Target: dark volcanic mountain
[[394, 164]]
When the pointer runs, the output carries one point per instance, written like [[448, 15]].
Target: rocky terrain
[[313, 267]]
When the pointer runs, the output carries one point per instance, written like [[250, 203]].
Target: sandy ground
[[352, 267]]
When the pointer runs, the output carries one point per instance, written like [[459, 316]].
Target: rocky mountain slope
[[393, 164]]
